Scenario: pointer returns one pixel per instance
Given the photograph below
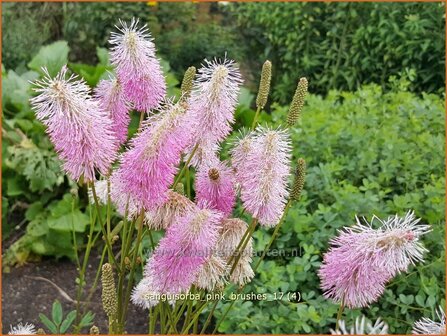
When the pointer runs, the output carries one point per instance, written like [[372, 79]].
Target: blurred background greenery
[[372, 131]]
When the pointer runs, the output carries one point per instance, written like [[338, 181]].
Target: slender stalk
[[180, 175], [339, 314], [275, 233], [255, 119], [210, 315], [133, 264], [239, 253], [106, 238]]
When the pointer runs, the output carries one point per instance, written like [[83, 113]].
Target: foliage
[[342, 45], [59, 325], [368, 152]]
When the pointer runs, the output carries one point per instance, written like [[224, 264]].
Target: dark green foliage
[[60, 325], [367, 152], [342, 45]]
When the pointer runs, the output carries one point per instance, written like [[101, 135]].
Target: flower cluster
[[362, 259]]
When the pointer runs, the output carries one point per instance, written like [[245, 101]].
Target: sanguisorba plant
[[204, 248]]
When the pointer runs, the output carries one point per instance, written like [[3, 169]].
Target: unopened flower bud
[[40, 331], [298, 183], [109, 297], [264, 84], [297, 102], [94, 330], [180, 188], [188, 79]]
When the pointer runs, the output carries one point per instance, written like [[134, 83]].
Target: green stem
[[275, 233], [132, 266], [239, 253], [106, 238], [255, 119], [339, 314], [180, 175]]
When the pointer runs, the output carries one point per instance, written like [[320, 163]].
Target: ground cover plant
[[167, 198]]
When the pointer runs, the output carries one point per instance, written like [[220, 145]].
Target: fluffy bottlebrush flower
[[185, 248], [23, 329], [264, 174], [425, 326], [111, 98], [211, 275], [242, 146], [213, 100], [362, 327], [233, 229], [176, 206], [362, 260], [137, 68], [79, 129], [215, 187], [145, 295], [148, 168]]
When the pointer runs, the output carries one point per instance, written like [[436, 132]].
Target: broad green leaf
[[53, 57], [68, 321], [57, 313], [50, 325]]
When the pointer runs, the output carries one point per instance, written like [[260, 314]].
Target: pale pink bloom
[[184, 250], [111, 98], [215, 187], [241, 148], [164, 216], [362, 260], [79, 129], [233, 229], [426, 326], [212, 274], [137, 67], [213, 101], [146, 296], [148, 167], [264, 174]]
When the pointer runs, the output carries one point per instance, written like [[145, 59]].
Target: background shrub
[[343, 45]]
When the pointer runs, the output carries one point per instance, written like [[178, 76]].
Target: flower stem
[[180, 175], [339, 314], [255, 119], [274, 235]]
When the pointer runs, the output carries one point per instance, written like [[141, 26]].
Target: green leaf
[[52, 56], [57, 313], [50, 325], [103, 55], [68, 321], [87, 320]]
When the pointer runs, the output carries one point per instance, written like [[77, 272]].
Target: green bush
[[368, 152], [342, 45]]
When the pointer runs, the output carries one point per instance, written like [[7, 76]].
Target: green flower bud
[[298, 183], [297, 102], [187, 82], [264, 84]]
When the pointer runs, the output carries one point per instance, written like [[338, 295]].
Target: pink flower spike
[[263, 173], [79, 129], [137, 68], [148, 168], [111, 98], [215, 187], [362, 260], [188, 244], [213, 101]]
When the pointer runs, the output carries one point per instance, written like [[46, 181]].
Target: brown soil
[[24, 296]]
